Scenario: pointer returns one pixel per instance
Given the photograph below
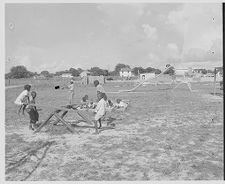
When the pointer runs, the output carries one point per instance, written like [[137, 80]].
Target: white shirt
[[100, 109], [122, 104], [20, 98], [71, 87], [100, 88]]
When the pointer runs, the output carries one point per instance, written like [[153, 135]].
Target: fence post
[[214, 84]]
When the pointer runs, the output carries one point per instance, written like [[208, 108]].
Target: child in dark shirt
[[32, 111]]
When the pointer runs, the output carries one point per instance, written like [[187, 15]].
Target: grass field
[[163, 135]]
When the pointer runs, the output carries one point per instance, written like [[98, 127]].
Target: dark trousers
[[34, 115]]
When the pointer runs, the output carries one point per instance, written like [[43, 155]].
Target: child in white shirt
[[100, 110], [23, 99], [121, 104], [71, 92]]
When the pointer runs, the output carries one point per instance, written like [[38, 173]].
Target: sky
[[56, 37]]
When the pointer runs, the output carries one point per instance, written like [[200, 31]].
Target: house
[[85, 73], [66, 75], [41, 76], [146, 76], [125, 72]]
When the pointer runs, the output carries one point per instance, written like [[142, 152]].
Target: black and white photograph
[[103, 91]]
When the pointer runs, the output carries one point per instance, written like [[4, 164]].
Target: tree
[[170, 71], [7, 75], [204, 71], [106, 72], [150, 70], [157, 71], [112, 73], [74, 72], [80, 70], [19, 72], [138, 70], [119, 66], [45, 73], [96, 71]]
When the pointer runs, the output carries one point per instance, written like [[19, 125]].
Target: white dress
[[100, 109]]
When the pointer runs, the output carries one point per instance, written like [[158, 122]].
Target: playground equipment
[[144, 81], [60, 118], [182, 77], [216, 69]]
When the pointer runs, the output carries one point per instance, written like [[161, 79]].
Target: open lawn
[[163, 135]]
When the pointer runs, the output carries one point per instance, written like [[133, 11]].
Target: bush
[[109, 79]]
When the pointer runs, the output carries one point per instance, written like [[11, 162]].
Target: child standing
[[71, 92], [99, 89], [100, 110], [71, 88], [23, 99], [32, 111]]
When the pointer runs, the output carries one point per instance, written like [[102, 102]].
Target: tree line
[[22, 72]]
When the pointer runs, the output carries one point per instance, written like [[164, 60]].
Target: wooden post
[[63, 114], [214, 84], [65, 123], [84, 117], [44, 123]]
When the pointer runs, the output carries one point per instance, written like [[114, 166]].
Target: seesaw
[[147, 80], [60, 118]]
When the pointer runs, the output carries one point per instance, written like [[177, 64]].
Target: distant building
[[39, 76], [125, 72], [84, 74], [209, 75], [146, 76], [66, 75]]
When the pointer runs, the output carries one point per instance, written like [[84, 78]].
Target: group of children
[[26, 101]]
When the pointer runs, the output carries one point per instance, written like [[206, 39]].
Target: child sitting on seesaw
[[85, 103], [23, 99], [121, 104], [100, 111]]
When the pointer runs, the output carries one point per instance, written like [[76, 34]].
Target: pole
[[214, 84]]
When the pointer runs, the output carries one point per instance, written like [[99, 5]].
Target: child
[[84, 99], [100, 110], [110, 103], [121, 104], [32, 111], [23, 99], [71, 92], [99, 89]]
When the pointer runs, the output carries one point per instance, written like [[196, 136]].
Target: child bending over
[[23, 99]]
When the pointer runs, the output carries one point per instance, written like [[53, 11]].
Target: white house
[[66, 75], [84, 74], [125, 72], [146, 76]]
